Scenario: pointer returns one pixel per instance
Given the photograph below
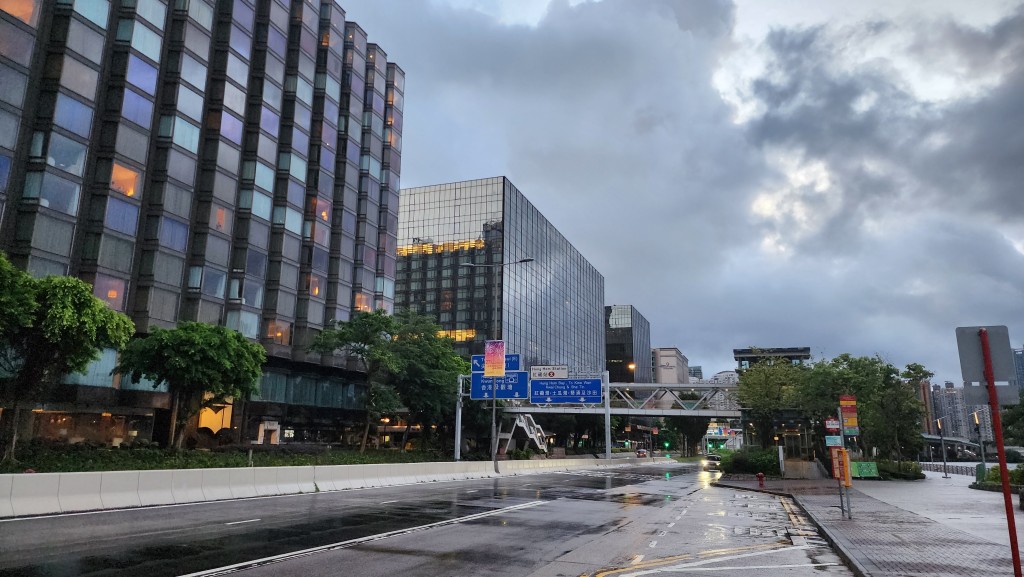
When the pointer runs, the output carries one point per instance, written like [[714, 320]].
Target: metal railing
[[970, 471]]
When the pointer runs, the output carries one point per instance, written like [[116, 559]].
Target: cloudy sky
[[847, 176]]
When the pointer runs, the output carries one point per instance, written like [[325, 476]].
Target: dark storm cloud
[[606, 116]]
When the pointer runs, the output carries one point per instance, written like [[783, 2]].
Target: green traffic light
[[666, 444]]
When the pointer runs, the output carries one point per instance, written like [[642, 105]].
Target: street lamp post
[[495, 335], [942, 440]]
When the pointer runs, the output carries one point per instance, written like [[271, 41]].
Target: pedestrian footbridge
[[716, 400]]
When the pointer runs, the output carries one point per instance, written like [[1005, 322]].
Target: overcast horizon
[[773, 174]]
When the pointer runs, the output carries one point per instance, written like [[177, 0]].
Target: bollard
[[760, 480]]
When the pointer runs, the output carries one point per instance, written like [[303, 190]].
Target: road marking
[[386, 502], [473, 491], [693, 565], [636, 559], [672, 524], [240, 522], [353, 542], [653, 544], [661, 533]]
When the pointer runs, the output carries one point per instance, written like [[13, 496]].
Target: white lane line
[[695, 565], [637, 559], [653, 544], [353, 542], [672, 524], [386, 502], [240, 522], [473, 491], [662, 533], [745, 567]]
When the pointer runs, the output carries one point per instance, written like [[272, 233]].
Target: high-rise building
[[670, 366], [948, 405], [230, 162], [628, 345], [696, 372], [746, 358], [483, 261], [1018, 364]]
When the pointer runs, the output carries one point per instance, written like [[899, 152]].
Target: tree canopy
[[49, 327], [202, 364], [765, 390]]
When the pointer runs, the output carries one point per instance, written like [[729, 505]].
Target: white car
[[711, 462]]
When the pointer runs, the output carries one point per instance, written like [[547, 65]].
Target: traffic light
[[666, 444]]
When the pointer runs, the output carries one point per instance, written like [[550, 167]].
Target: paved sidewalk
[[907, 528]]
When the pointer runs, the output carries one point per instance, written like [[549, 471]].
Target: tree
[[202, 364], [765, 390], [891, 414], [406, 361], [65, 331], [367, 337]]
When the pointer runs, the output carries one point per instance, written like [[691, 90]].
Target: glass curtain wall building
[[234, 162], [628, 338], [548, 310]]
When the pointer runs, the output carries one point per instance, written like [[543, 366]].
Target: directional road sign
[[477, 363], [563, 391], [549, 372], [513, 385]]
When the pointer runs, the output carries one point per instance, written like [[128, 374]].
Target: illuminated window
[[363, 302], [280, 332], [25, 10], [124, 180], [110, 290]]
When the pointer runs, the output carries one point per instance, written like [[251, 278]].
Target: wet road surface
[[658, 519]]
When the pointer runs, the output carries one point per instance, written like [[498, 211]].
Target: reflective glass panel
[[73, 115]]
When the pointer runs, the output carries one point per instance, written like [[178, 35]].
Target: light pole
[[495, 335], [981, 438], [942, 439]]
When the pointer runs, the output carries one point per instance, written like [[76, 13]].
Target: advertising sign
[[494, 359], [837, 464], [833, 441], [512, 362], [832, 424], [514, 385], [549, 372], [848, 411]]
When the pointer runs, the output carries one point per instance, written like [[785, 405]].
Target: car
[[641, 453], [711, 462]]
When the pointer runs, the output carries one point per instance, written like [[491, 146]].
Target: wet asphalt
[[635, 520]]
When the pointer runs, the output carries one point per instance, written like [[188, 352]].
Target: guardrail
[[29, 494], [970, 471]]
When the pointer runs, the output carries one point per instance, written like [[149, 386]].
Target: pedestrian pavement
[[936, 527]]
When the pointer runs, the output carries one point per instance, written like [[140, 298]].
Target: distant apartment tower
[[948, 405], [460, 252], [628, 345], [230, 162], [670, 366], [696, 372], [1018, 364]]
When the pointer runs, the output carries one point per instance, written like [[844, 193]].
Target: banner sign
[[512, 362], [833, 441], [494, 359], [848, 411]]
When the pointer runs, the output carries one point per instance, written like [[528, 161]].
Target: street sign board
[[832, 424], [978, 395], [563, 391], [549, 372], [477, 363], [833, 441], [514, 385], [848, 412], [972, 362]]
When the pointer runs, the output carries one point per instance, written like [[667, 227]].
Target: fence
[[968, 470]]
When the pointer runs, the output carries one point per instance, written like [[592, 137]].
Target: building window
[[73, 115], [121, 216], [123, 179], [280, 332], [110, 290]]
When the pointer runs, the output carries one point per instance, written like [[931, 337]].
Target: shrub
[[751, 460], [1016, 475], [908, 470]]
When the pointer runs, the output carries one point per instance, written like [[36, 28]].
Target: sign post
[[995, 362]]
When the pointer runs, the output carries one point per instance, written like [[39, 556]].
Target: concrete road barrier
[[120, 489], [187, 485], [156, 488], [216, 484], [79, 492], [265, 481], [304, 478], [6, 484], [242, 482], [35, 494]]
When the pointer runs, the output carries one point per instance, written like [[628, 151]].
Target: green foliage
[[765, 390], [46, 457], [17, 299], [751, 460], [202, 364], [520, 454], [406, 360], [1012, 419], [1016, 475], [906, 470]]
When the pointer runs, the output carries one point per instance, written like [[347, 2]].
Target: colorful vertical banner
[[494, 359], [848, 410]]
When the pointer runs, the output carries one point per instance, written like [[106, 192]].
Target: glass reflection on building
[[459, 261]]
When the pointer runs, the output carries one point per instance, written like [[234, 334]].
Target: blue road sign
[[513, 385], [511, 363], [562, 391]]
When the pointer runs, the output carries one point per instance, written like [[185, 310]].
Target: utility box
[[980, 472]]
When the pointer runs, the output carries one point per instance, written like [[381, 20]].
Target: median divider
[[120, 489], [156, 488], [47, 493], [33, 495], [79, 492]]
